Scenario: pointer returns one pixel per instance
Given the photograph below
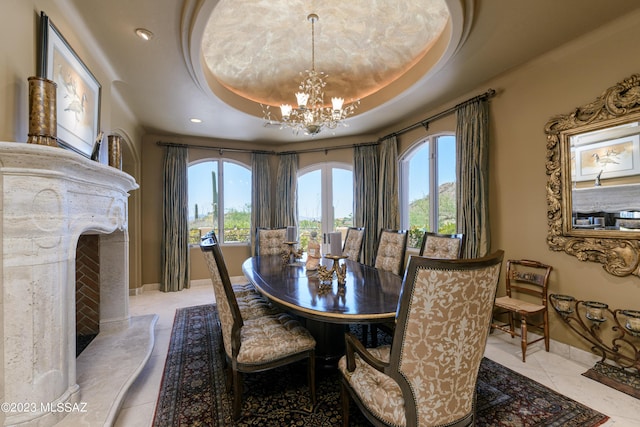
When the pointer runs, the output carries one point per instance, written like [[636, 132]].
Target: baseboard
[[194, 283], [577, 355]]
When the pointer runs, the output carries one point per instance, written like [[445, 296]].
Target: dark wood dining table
[[368, 296]]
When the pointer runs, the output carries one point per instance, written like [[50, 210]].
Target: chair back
[[444, 246], [226, 303], [442, 325], [353, 243], [392, 246], [528, 277], [270, 241]]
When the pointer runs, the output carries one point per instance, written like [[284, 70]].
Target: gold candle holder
[[115, 153], [633, 321], [42, 112], [563, 303], [595, 310]]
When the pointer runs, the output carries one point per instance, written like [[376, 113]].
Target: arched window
[[325, 200], [428, 187], [219, 200]]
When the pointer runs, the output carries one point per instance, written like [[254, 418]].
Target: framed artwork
[[78, 91], [609, 159]]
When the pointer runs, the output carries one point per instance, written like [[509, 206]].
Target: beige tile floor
[[554, 371]]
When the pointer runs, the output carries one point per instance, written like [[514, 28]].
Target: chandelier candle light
[[311, 115]]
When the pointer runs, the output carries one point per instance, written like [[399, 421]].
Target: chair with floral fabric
[[257, 344], [353, 243], [250, 302], [445, 246], [427, 376], [392, 247], [271, 241]]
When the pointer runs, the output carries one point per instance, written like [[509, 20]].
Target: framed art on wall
[[78, 91]]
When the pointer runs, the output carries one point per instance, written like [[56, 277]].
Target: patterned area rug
[[624, 380], [193, 391]]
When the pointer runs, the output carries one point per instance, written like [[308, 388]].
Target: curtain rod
[[326, 149], [425, 123], [242, 150], [220, 149]]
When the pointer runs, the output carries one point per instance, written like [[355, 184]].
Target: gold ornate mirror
[[593, 186]]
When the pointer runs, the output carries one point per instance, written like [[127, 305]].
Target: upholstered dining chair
[[390, 253], [427, 376], [270, 241], [250, 303], [258, 344], [392, 247], [353, 243], [446, 246], [527, 283]]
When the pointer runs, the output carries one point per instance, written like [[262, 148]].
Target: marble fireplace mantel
[[50, 196]]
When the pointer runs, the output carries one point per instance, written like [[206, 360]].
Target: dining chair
[[257, 344], [527, 283], [270, 241], [353, 243], [250, 303], [392, 247], [446, 246], [427, 375], [390, 253]]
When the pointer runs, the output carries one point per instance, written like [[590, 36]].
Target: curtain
[[388, 210], [175, 238], [365, 195], [286, 212], [472, 184], [260, 194]]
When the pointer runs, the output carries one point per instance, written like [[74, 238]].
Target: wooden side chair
[[392, 247], [353, 243], [427, 376], [525, 277], [445, 246], [271, 241], [260, 343]]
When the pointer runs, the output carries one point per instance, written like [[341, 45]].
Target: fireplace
[[51, 197]]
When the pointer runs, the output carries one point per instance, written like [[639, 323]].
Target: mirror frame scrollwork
[[618, 252]]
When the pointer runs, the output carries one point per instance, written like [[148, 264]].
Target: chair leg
[[545, 329], [311, 374], [365, 334], [344, 398], [523, 333], [374, 336], [512, 325], [237, 394]]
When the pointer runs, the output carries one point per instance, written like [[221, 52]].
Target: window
[[325, 200], [219, 200], [428, 188]]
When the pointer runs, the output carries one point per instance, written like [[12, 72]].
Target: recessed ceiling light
[[194, 120], [144, 34]]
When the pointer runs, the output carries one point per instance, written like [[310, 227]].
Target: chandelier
[[311, 115]]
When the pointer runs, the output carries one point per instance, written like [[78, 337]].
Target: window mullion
[[220, 185], [433, 184]]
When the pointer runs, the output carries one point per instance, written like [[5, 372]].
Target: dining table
[[326, 308]]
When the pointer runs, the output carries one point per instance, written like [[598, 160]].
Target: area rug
[[626, 381], [193, 391]]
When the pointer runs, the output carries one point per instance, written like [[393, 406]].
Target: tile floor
[[554, 371]]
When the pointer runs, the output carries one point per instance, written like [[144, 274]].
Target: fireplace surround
[[50, 197]]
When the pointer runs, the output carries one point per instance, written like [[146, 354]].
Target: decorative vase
[[42, 112], [115, 153]]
